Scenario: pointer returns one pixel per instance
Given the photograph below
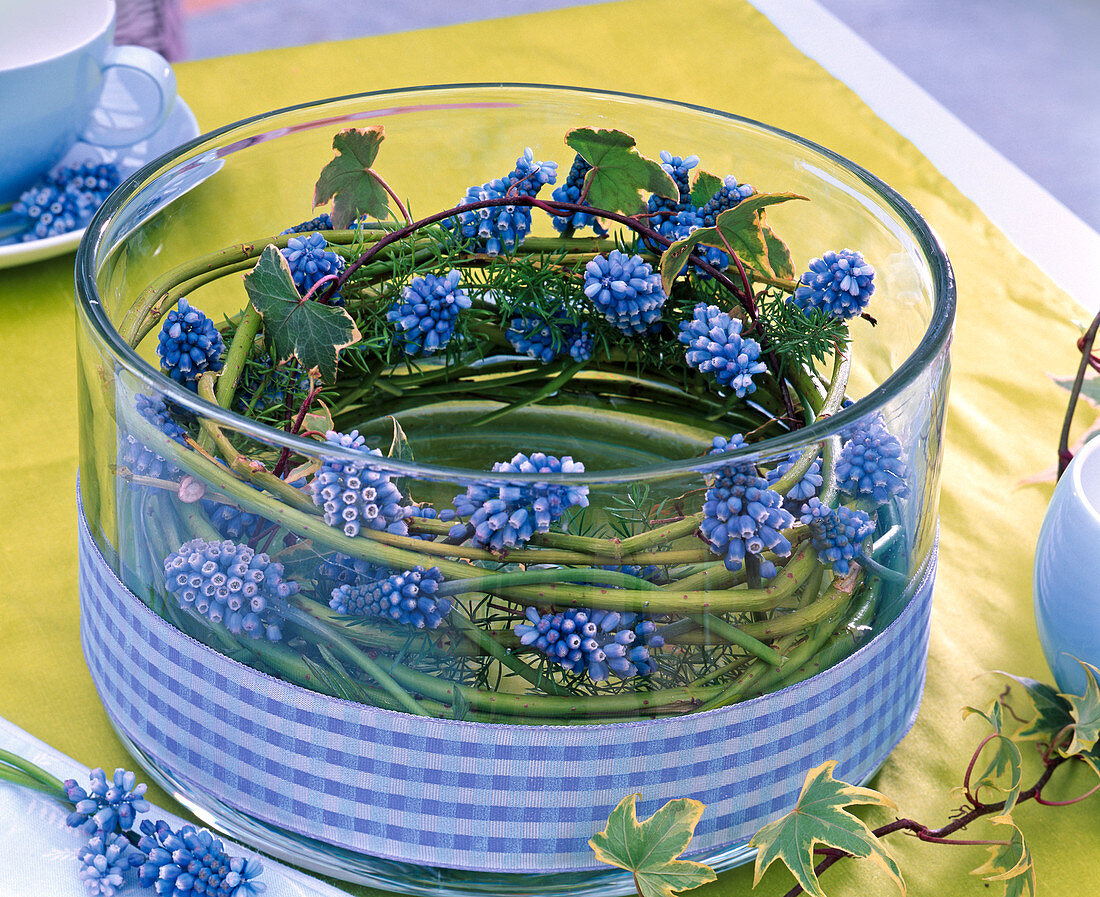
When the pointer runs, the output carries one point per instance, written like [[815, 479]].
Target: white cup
[[54, 55], [1067, 572]]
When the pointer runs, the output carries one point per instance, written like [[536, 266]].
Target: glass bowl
[[412, 579]]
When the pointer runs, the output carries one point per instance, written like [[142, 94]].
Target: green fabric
[[1014, 327]]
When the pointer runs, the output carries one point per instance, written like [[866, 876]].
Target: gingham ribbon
[[495, 798]]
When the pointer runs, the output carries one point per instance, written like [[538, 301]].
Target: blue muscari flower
[[505, 515], [321, 222], [570, 191], [427, 513], [193, 863], [343, 569], [546, 340], [108, 805], [502, 228], [741, 515], [626, 290], [806, 488], [230, 521], [426, 314], [404, 597], [66, 200], [354, 495], [188, 345], [870, 464], [837, 534], [104, 862], [715, 346], [681, 226], [230, 584], [726, 197], [310, 259], [137, 457], [662, 212], [839, 284], [593, 642]]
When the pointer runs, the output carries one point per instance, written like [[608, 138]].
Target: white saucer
[[179, 127]]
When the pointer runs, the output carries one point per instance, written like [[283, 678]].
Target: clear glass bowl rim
[[933, 342]]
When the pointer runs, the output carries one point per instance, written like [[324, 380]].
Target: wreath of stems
[[768, 634]]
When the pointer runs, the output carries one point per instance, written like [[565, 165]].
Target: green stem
[[49, 783], [549, 389], [735, 636], [498, 581], [237, 355]]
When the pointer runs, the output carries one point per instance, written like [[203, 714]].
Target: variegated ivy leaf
[[650, 849], [1004, 759], [294, 328], [399, 445], [1052, 711], [619, 173], [1010, 863], [1085, 710], [820, 817], [704, 187], [351, 180]]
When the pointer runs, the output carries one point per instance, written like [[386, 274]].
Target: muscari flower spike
[[230, 521], [426, 314], [626, 290], [66, 200], [715, 346], [662, 212], [505, 515], [839, 284], [343, 569], [310, 259], [104, 862], [142, 460], [806, 488], [321, 222], [742, 516], [499, 229], [570, 191], [838, 533], [188, 345], [229, 584], [193, 863], [726, 197], [596, 643], [870, 464], [107, 805], [354, 495], [546, 340], [404, 598]]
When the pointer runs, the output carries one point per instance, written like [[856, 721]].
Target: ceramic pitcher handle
[[157, 69]]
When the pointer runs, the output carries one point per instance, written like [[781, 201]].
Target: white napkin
[[38, 850]]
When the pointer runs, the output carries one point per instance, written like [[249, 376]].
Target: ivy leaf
[[676, 255], [649, 849], [743, 227], [819, 817], [318, 421], [704, 187], [1052, 711], [1010, 863], [1090, 389], [1085, 710], [399, 445], [351, 180], [309, 331], [1005, 759], [779, 254], [619, 173]]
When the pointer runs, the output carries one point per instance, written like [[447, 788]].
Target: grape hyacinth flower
[[839, 284], [107, 806], [354, 495], [193, 863], [662, 212], [837, 534], [321, 222], [596, 643], [104, 862], [230, 521], [626, 290], [66, 200], [497, 229], [742, 516], [404, 598], [546, 340], [570, 191], [343, 569], [505, 515], [426, 315], [229, 584], [806, 488], [310, 259], [870, 464], [726, 197], [715, 346], [188, 345], [140, 459]]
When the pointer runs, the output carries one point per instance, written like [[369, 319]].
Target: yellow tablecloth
[[1014, 327]]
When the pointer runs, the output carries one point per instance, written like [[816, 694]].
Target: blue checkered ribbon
[[489, 797]]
